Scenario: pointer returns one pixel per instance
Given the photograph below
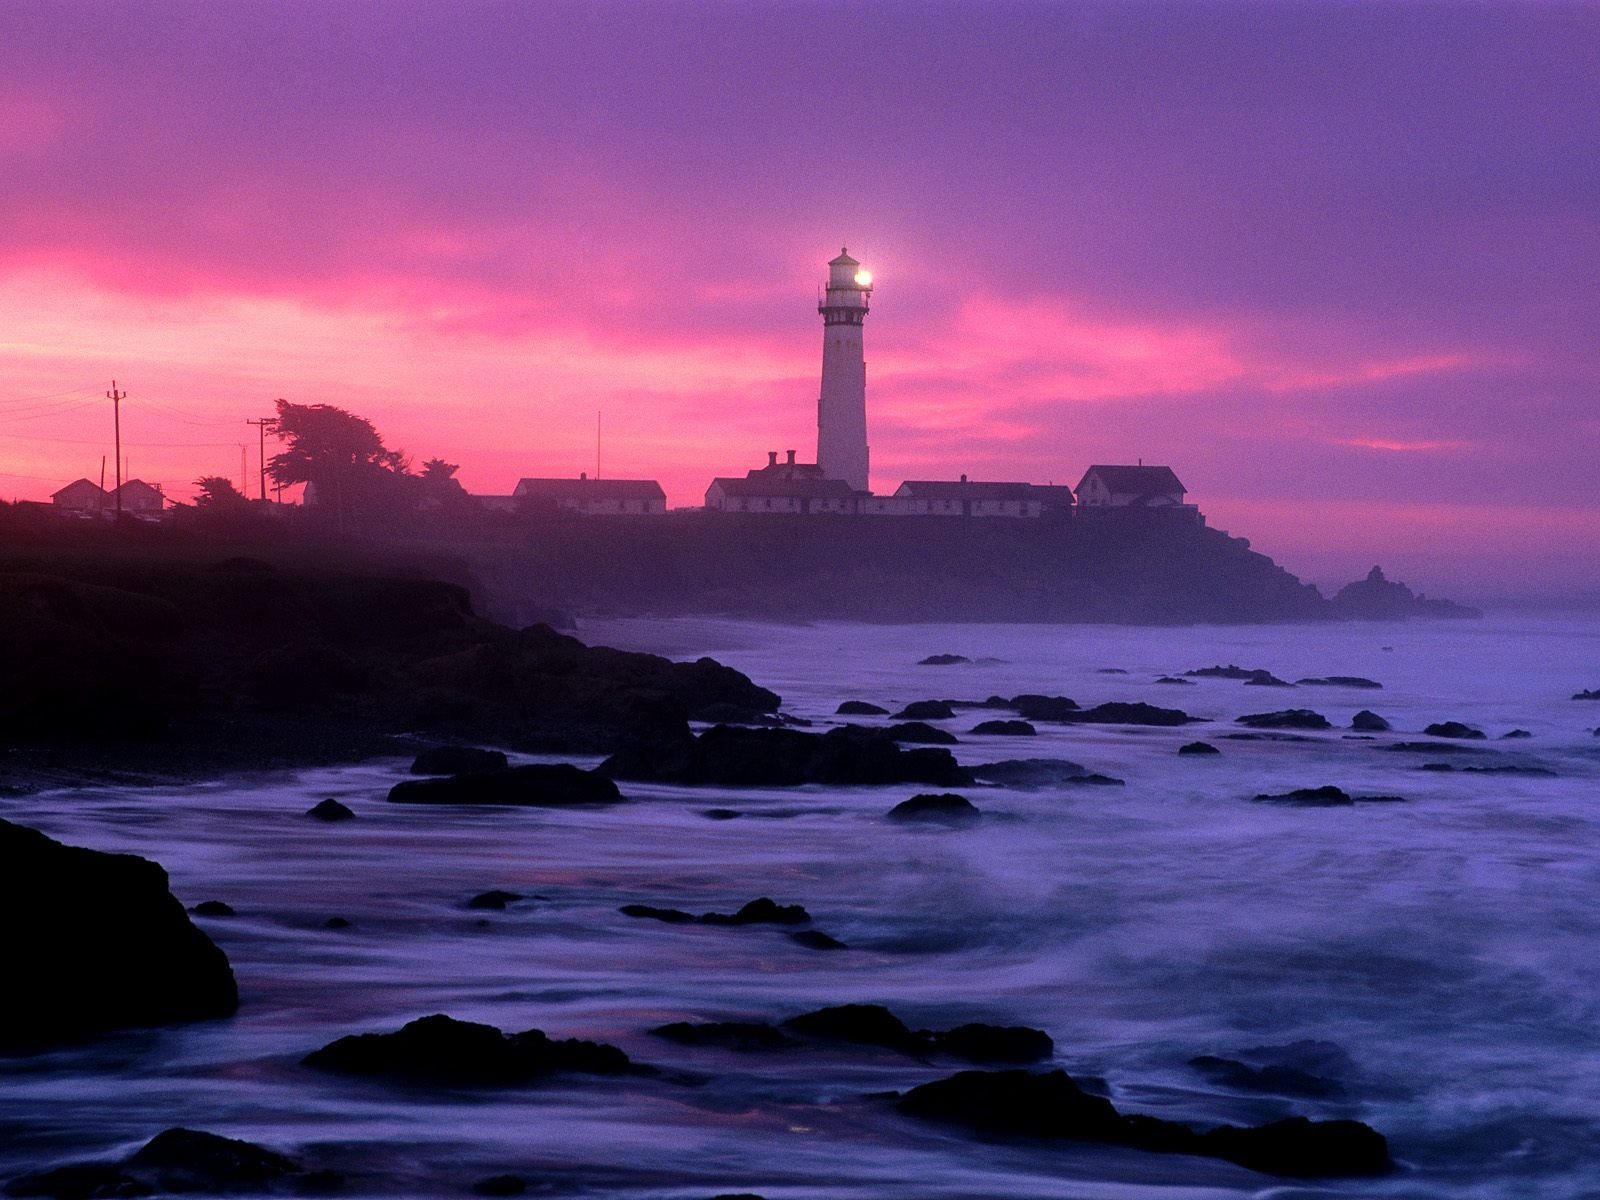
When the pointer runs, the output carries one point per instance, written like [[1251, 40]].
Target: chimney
[[791, 458], [772, 458], [963, 479], [582, 475]]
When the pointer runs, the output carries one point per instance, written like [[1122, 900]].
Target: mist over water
[[1443, 946]]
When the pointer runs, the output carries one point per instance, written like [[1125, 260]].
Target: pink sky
[[1337, 264]]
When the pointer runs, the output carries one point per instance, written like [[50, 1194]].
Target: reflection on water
[[1444, 944]]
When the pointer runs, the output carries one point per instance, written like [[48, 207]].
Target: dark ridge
[[1346, 681], [1289, 718], [860, 708], [543, 785], [1005, 728], [943, 660]]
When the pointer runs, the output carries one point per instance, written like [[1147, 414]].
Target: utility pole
[[262, 424], [116, 399]]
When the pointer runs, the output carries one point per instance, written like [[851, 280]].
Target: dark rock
[[981, 1043], [1300, 1149], [212, 908], [1322, 797], [441, 1050], [743, 1036], [1589, 694], [1378, 599], [1032, 707], [1049, 1105], [1266, 679], [925, 710], [1230, 671], [731, 756], [1032, 774], [858, 1024], [1017, 1102], [1368, 721], [942, 807], [1289, 718], [1434, 748], [457, 760], [763, 911], [1198, 748], [672, 916], [190, 1160], [548, 785], [500, 1185], [95, 941], [1138, 713], [1515, 733], [724, 713], [177, 1161], [80, 1181], [943, 660], [1110, 671], [860, 708], [1455, 729], [1506, 769], [493, 899], [920, 732], [1005, 728], [1176, 679], [329, 810], [721, 814], [1347, 681], [815, 939], [336, 923]]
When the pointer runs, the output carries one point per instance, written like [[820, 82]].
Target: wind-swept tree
[[341, 457], [217, 492]]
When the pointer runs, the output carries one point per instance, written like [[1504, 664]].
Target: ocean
[[1435, 958]]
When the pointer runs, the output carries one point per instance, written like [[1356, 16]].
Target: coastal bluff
[[1139, 569]]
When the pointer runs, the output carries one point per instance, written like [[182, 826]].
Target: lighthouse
[[842, 405]]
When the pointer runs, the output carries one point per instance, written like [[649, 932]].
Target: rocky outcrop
[[1377, 598], [1198, 748], [730, 756], [1344, 681], [1288, 718], [1051, 1106], [1457, 730], [942, 808], [330, 810], [1005, 728], [180, 1162], [441, 1050], [541, 785], [1367, 721], [861, 708], [93, 942], [926, 710], [1034, 774]]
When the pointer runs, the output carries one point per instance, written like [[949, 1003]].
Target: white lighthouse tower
[[842, 406]]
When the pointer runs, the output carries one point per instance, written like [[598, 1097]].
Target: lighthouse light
[[864, 278]]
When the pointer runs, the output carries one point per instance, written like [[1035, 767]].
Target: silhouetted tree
[[343, 459], [218, 492], [437, 471]]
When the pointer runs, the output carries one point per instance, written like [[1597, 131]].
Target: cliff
[[1132, 570]]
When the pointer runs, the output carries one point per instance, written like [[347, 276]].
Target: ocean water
[[1447, 947]]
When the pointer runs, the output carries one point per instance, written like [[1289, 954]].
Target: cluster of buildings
[[836, 484], [84, 497]]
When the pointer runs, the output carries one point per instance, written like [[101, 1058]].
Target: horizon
[[1335, 264]]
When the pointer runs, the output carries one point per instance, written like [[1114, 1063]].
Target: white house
[[1129, 487], [968, 498], [82, 496], [775, 495], [137, 497], [639, 497]]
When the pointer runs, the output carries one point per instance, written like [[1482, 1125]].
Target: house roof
[[1052, 493], [800, 489], [76, 486], [1137, 481], [591, 489], [966, 489], [132, 486]]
